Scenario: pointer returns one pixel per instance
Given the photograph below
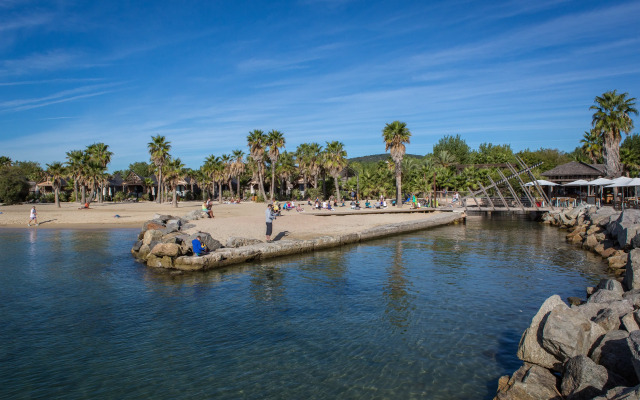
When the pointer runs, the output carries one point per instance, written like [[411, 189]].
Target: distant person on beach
[[199, 248], [269, 219], [206, 207], [33, 216]]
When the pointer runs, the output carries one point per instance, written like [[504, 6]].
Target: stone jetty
[[588, 348], [163, 242]]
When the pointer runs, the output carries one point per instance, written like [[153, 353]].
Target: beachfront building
[[573, 171]]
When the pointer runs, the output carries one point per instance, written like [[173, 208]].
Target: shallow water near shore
[[435, 314]]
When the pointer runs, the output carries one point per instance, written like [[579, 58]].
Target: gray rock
[[611, 284], [604, 296], [136, 246], [607, 319], [603, 216], [155, 224], [174, 224], [166, 249], [210, 242], [634, 345], [635, 242], [621, 393], [628, 322], [530, 382], [151, 236], [574, 301], [614, 354], [583, 379], [626, 227], [194, 215], [591, 310], [632, 272], [530, 349], [240, 242], [566, 333]]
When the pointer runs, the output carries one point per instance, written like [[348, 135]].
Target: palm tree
[[174, 172], [74, 168], [159, 150], [99, 152], [612, 117], [56, 171], [5, 161], [592, 145], [227, 173], [285, 170], [238, 168], [275, 140], [395, 135], [335, 161], [256, 140], [148, 184]]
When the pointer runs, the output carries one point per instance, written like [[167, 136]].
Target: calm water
[[435, 315]]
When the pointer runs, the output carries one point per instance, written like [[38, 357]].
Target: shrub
[[119, 197], [259, 199], [296, 194], [144, 197], [14, 187], [48, 198], [313, 193]]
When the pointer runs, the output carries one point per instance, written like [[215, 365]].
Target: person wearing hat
[[269, 217]]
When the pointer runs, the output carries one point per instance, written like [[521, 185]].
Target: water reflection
[[267, 284], [398, 305]]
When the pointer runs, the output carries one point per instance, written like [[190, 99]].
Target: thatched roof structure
[[573, 171]]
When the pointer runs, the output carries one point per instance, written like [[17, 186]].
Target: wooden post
[[524, 188], [499, 193], [513, 192], [487, 196], [534, 180], [474, 198]]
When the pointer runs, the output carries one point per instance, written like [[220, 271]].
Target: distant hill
[[380, 157]]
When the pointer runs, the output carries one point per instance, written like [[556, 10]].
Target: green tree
[[31, 169], [142, 168], [275, 140], [159, 151], [630, 154], [74, 169], [56, 171], [256, 140], [5, 161], [612, 117], [454, 145], [238, 168], [335, 161], [395, 135], [14, 187], [100, 154], [174, 172], [592, 145], [489, 153]]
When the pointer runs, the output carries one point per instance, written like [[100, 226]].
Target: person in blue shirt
[[199, 248]]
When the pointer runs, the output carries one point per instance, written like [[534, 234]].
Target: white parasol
[[541, 182]]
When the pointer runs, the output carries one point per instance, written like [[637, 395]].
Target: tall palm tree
[[56, 171], [592, 145], [275, 140], [99, 152], [174, 172], [74, 168], [227, 173], [256, 140], [302, 157], [612, 117], [238, 168], [159, 150], [395, 135], [335, 161], [285, 170], [314, 162]]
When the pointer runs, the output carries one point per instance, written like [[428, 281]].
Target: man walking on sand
[[33, 216], [269, 217]]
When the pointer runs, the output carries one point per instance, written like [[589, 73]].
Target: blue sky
[[205, 73]]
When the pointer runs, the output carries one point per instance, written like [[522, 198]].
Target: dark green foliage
[[141, 168], [454, 145], [488, 153], [31, 169], [630, 154], [14, 187], [550, 157]]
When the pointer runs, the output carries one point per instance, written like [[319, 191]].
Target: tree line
[[326, 171]]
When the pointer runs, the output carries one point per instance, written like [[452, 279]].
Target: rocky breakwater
[[163, 242], [589, 349], [610, 233]]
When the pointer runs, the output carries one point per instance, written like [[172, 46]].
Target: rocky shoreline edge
[[587, 349], [162, 242]]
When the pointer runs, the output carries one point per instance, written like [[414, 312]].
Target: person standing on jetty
[[269, 217], [33, 216]]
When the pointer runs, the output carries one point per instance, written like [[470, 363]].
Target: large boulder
[[604, 296], [607, 319], [626, 227], [621, 393], [634, 345], [208, 241], [152, 235], [155, 224], [568, 333], [628, 322], [530, 348], [618, 260], [530, 382], [195, 215], [610, 284], [583, 379], [614, 354], [604, 216], [632, 272], [166, 249]]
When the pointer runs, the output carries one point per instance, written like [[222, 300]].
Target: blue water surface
[[433, 315]]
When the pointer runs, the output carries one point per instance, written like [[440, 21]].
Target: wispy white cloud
[[55, 98], [27, 21]]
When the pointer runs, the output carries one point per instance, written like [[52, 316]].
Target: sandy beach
[[244, 220]]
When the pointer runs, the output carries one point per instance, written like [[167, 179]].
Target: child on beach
[[33, 216]]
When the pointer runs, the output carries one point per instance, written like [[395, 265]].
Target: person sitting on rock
[[206, 208], [199, 248]]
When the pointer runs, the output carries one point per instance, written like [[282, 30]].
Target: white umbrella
[[620, 182], [541, 182], [600, 182], [634, 182], [579, 182]]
